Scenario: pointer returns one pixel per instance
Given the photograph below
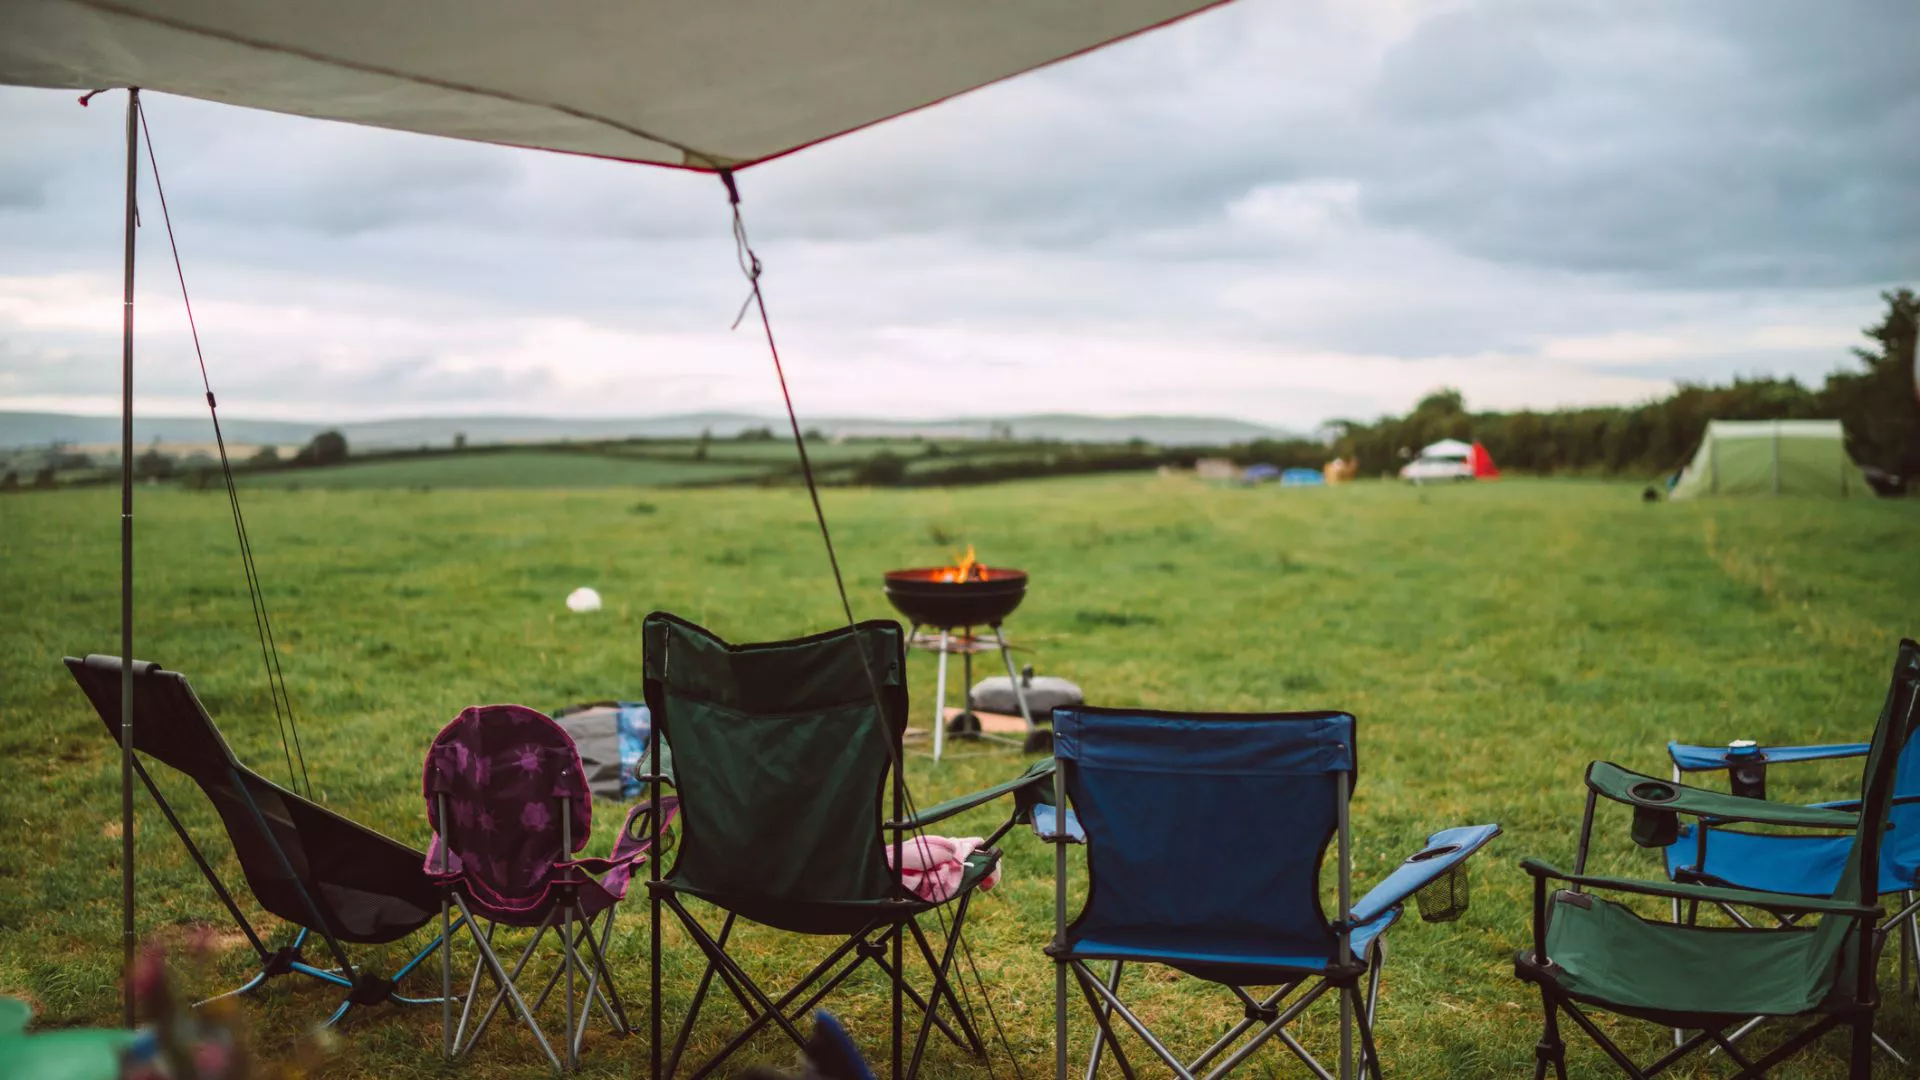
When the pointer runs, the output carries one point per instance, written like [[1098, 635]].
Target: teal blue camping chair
[[1799, 864], [1816, 967]]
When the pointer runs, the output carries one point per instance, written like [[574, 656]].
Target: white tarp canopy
[[1447, 449], [705, 84]]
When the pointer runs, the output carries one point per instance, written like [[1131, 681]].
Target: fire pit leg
[[966, 725], [1019, 692], [940, 700]]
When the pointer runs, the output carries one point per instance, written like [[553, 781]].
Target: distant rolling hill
[[27, 429]]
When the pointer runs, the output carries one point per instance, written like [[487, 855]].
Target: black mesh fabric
[[366, 887]]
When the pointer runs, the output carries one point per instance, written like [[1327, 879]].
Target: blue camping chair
[[1205, 835], [1799, 865]]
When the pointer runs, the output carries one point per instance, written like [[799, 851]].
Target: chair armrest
[[1677, 891], [1854, 804], [1039, 771], [1709, 758], [1044, 828], [1640, 790], [1443, 851], [636, 832]]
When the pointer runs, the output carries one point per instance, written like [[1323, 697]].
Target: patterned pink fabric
[[505, 773], [932, 867]]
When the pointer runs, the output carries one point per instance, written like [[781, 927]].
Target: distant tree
[[45, 479], [814, 435], [10, 481], [327, 448], [700, 447], [884, 469], [459, 440], [759, 434], [265, 457], [61, 457], [153, 464], [1880, 404]]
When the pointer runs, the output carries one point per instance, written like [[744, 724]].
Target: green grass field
[[544, 469], [1491, 639]]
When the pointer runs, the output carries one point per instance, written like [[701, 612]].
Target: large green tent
[[1772, 457]]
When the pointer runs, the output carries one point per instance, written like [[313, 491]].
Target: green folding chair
[[783, 754], [1818, 967]]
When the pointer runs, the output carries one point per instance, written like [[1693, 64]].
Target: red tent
[[1483, 466]]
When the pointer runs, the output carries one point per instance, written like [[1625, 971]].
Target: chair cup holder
[[1654, 827], [1446, 897]]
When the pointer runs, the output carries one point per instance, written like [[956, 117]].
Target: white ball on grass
[[583, 599]]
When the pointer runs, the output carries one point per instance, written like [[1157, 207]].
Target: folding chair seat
[[1816, 965], [510, 808], [782, 754], [1205, 839], [324, 873]]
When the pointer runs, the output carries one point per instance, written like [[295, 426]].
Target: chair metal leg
[[570, 961], [248, 987], [973, 1043], [1103, 1021], [1134, 1022], [1101, 1016], [940, 703], [1254, 1009], [472, 994], [446, 982], [1346, 1037], [1551, 1050], [1379, 961], [510, 987], [922, 1004], [609, 992], [1369, 1054], [1887, 1048], [507, 988], [1277, 1029], [934, 993], [699, 999]]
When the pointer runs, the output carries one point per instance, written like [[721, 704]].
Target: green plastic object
[[70, 1054]]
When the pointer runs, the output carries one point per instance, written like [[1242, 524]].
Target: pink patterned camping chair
[[510, 810]]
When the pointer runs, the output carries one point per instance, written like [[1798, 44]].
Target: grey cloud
[[1517, 172], [1726, 144]]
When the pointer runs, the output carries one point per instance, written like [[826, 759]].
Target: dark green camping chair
[[1819, 968], [782, 757]]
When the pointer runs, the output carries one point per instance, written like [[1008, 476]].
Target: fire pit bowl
[[930, 597]]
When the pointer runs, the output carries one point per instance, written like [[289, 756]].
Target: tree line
[[1874, 398]]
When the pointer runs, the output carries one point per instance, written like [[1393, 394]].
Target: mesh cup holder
[[1446, 897]]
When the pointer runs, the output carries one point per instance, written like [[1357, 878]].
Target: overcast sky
[[1279, 211]]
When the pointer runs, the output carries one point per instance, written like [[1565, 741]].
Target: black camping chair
[[784, 754], [324, 873]]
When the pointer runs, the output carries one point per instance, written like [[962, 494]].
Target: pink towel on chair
[[933, 865]]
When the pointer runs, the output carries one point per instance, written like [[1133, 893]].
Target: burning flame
[[964, 568]]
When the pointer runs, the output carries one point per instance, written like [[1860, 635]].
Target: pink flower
[[535, 816]]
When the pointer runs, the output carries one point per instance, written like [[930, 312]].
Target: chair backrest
[[367, 887], [1900, 853], [506, 774], [1206, 832], [1860, 880], [1889, 759], [780, 754]]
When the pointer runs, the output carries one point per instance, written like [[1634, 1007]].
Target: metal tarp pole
[[126, 565]]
